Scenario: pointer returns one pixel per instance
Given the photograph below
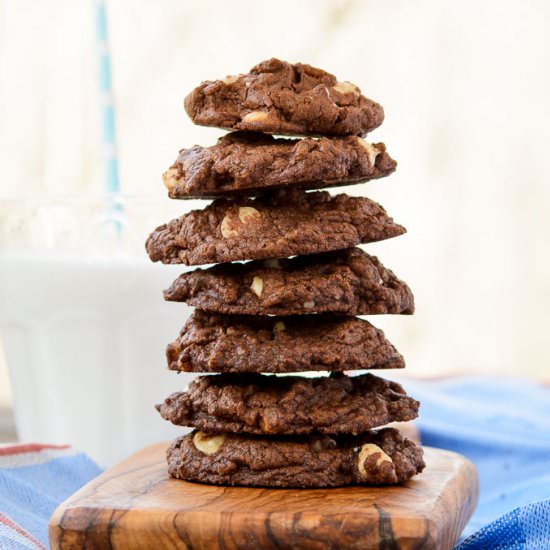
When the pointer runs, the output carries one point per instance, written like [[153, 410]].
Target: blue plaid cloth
[[502, 425], [34, 479]]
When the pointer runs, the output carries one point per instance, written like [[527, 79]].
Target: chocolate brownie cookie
[[280, 224], [248, 162], [373, 458], [267, 404], [277, 97], [211, 342], [348, 282]]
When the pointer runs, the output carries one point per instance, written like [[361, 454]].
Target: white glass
[[83, 322]]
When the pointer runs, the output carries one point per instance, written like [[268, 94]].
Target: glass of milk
[[83, 322]]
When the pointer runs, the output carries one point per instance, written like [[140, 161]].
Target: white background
[[465, 86]]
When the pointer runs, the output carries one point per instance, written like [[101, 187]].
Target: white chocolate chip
[[279, 326], [367, 450], [372, 151], [208, 443], [230, 79], [255, 116], [347, 88], [231, 331], [227, 227], [309, 304], [273, 263], [257, 286], [248, 214], [170, 178]]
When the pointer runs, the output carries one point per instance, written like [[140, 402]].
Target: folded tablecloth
[[34, 479], [502, 425]]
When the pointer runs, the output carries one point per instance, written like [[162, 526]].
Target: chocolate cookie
[[373, 458], [266, 404], [277, 97], [348, 282], [211, 342], [280, 224], [248, 162]]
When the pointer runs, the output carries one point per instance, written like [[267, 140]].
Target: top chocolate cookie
[[277, 97], [250, 162]]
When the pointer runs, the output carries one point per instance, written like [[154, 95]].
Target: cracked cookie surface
[[210, 342], [373, 458], [250, 162], [277, 225], [277, 97], [292, 405], [347, 282]]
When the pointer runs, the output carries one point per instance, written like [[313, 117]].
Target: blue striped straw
[[112, 182]]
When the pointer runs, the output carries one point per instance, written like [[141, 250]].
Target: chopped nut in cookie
[[170, 178], [257, 286], [247, 214], [372, 151], [255, 116], [347, 88], [208, 443], [227, 227], [369, 449]]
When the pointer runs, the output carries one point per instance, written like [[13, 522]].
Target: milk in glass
[[84, 331]]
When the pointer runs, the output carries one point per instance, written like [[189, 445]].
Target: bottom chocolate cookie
[[374, 458]]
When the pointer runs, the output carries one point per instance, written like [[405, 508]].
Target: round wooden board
[[135, 505]]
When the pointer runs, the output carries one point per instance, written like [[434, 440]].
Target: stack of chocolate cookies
[[291, 306]]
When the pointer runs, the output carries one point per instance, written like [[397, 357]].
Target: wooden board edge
[[73, 526], [465, 488], [64, 524]]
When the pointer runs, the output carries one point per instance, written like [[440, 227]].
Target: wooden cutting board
[[134, 505]]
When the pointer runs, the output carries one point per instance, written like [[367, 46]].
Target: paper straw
[[112, 183]]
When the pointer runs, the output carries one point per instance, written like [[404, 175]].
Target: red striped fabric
[[28, 448], [5, 520]]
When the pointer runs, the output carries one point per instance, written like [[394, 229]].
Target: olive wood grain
[[134, 505]]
